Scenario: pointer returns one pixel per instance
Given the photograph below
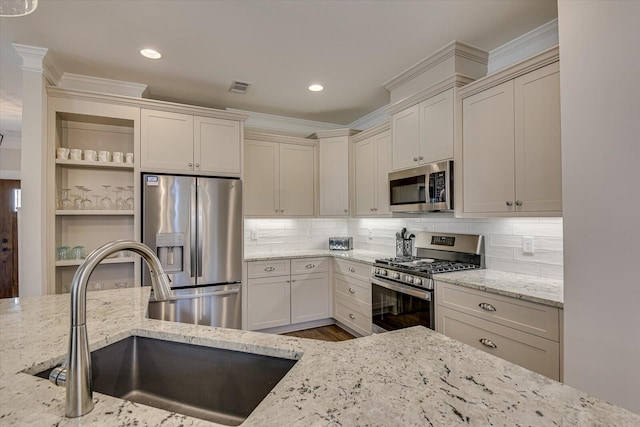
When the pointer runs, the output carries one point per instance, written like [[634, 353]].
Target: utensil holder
[[404, 247]]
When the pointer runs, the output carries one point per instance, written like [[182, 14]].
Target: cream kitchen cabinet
[[279, 179], [423, 133], [372, 167], [509, 157], [179, 143], [334, 172], [352, 296], [525, 333], [269, 302]]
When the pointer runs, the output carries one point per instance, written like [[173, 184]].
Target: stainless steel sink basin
[[217, 385]]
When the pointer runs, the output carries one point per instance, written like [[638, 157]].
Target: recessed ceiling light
[[315, 88], [150, 53]]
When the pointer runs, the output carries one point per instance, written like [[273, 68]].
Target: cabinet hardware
[[269, 269], [309, 266], [287, 281], [5, 249], [420, 157], [375, 209], [487, 342], [415, 159], [190, 164], [351, 269], [197, 165], [509, 203], [352, 290], [351, 316], [518, 202], [5, 241], [281, 211], [293, 281], [486, 306], [346, 210]]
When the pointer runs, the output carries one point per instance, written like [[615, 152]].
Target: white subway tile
[[501, 240], [551, 230], [499, 252], [552, 271], [491, 228], [529, 268], [540, 256], [549, 243]]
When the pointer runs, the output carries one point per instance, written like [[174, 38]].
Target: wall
[[10, 158], [599, 69], [503, 237]]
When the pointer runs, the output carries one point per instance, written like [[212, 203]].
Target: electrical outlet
[[527, 245], [370, 233]]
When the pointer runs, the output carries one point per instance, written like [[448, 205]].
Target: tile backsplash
[[503, 237]]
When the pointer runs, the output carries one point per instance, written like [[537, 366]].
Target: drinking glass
[[97, 202], [120, 204], [106, 203], [129, 201], [77, 252], [77, 201], [62, 253], [65, 203], [86, 203]]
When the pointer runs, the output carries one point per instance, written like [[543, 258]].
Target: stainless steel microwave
[[428, 188]]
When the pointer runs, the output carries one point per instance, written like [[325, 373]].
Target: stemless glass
[[129, 202], [106, 203], [120, 205]]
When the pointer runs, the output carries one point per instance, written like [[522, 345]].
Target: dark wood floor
[[324, 333]]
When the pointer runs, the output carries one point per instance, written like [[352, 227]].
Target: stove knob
[[418, 281], [396, 275], [383, 272], [409, 279]]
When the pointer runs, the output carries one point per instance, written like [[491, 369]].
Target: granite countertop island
[[411, 377]]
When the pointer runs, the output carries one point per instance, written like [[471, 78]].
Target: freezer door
[[219, 244], [169, 225]]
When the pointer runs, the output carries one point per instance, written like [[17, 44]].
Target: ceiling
[[351, 47]]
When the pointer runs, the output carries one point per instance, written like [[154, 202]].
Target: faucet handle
[[58, 375]]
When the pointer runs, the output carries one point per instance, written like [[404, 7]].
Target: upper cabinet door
[[537, 140], [488, 153], [334, 176], [166, 141], [297, 180], [261, 178], [216, 146], [436, 128], [383, 167], [405, 127], [365, 176]]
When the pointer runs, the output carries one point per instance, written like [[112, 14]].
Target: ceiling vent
[[239, 87]]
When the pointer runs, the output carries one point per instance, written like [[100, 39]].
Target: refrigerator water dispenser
[[170, 250]]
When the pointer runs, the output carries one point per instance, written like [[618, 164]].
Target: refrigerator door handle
[[192, 231], [199, 234]]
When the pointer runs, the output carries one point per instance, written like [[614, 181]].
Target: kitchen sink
[[222, 386]]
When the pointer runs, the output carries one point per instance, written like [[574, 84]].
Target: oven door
[[397, 306]]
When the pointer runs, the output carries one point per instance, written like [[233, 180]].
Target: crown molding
[[372, 131], [144, 103], [271, 123], [372, 119], [455, 48], [539, 38], [456, 80], [525, 66], [259, 135], [100, 85], [334, 133], [38, 60]]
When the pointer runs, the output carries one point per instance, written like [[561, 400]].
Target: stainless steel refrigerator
[[195, 226]]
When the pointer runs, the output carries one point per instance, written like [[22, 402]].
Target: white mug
[[117, 157], [128, 158], [75, 154], [62, 153], [90, 155], [104, 156]]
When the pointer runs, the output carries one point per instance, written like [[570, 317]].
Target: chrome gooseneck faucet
[[75, 372]]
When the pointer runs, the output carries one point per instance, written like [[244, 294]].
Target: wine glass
[[77, 201], [65, 203], [106, 203], [97, 202], [86, 203], [129, 201], [119, 200]]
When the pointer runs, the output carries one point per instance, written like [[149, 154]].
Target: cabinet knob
[[190, 164], [293, 281], [287, 281], [375, 209], [197, 165], [420, 158], [509, 203], [281, 211], [415, 159], [310, 266], [351, 316], [269, 269], [486, 306], [346, 211], [518, 202], [487, 342], [351, 269], [351, 290]]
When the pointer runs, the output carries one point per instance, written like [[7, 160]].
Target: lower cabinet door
[[352, 318], [537, 354], [269, 302], [309, 297]]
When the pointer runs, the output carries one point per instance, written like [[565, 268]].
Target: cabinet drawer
[[354, 269], [354, 290], [352, 318], [536, 319], [309, 265], [278, 267], [532, 352]]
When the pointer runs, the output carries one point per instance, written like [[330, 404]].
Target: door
[[383, 162], [405, 128], [8, 239], [436, 128], [297, 180], [216, 146], [334, 176], [169, 226], [537, 140], [219, 231], [269, 302], [365, 176], [488, 150], [309, 297], [166, 141], [261, 178]]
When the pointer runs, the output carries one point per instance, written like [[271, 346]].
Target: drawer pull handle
[[486, 306], [352, 290], [310, 266], [351, 269], [487, 342], [351, 316], [270, 269]]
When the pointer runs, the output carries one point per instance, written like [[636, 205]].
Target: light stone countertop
[[358, 255], [531, 288], [411, 377]]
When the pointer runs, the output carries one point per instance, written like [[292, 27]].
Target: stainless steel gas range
[[402, 288]]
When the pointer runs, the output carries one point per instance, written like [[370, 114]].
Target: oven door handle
[[402, 288]]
